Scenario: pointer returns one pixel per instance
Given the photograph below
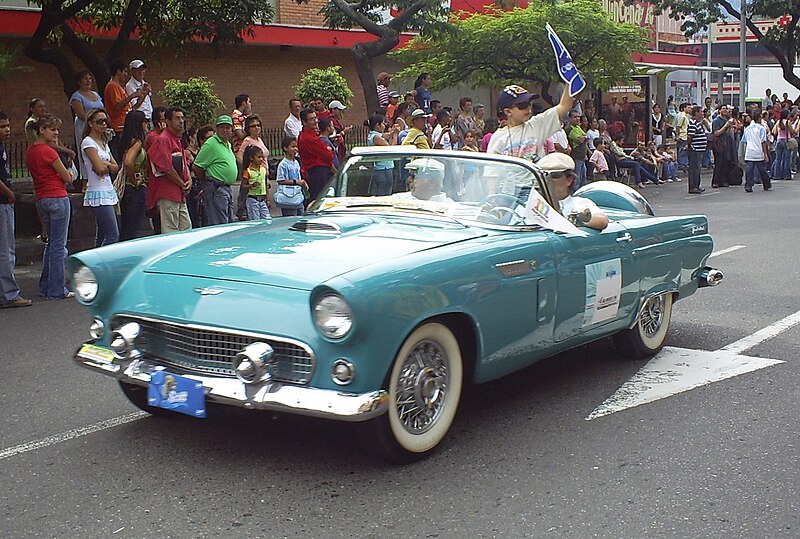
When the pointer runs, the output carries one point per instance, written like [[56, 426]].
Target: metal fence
[[272, 138]]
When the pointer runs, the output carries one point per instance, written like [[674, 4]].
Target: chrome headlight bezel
[[333, 316], [85, 285]]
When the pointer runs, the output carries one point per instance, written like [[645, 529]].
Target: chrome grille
[[210, 350]]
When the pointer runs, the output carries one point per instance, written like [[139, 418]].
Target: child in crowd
[[254, 178], [598, 159], [289, 196]]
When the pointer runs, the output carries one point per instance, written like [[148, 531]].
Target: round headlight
[[333, 316], [85, 284]]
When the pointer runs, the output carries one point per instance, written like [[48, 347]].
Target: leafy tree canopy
[[325, 83], [172, 24], [196, 97], [386, 20], [511, 47], [781, 40]]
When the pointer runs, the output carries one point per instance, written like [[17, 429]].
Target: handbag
[[289, 195], [791, 144], [119, 183]]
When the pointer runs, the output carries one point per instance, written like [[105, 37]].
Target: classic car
[[393, 291]]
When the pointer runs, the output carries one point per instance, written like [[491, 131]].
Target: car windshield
[[458, 185]]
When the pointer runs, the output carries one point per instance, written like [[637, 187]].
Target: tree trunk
[[363, 54]]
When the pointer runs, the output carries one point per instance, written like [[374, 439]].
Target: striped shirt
[[699, 137]]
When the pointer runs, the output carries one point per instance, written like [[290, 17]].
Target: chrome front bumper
[[275, 396]]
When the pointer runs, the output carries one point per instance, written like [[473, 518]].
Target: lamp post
[[742, 54], [731, 88]]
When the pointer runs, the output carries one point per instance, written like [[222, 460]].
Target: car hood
[[305, 253]]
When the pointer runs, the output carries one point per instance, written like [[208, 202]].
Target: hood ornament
[[209, 291]]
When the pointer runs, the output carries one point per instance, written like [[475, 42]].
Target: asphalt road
[[721, 460]]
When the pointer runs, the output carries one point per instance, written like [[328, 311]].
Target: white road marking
[[726, 251], [70, 434], [675, 370], [763, 334]]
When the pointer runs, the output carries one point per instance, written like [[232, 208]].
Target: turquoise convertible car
[[416, 272]]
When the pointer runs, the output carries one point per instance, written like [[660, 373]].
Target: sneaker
[[746, 190], [19, 302], [678, 179], [669, 180]]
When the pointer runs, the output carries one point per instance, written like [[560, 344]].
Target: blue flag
[[566, 67]]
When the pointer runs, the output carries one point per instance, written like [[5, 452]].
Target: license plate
[[97, 354], [176, 393]]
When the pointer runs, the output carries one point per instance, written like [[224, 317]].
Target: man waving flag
[[566, 67]]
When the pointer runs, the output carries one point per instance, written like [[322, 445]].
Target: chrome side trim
[[273, 396]]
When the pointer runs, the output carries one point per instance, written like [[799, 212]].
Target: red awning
[[664, 58]]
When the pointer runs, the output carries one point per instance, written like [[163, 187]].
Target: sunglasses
[[523, 106], [560, 174], [255, 125], [101, 121]]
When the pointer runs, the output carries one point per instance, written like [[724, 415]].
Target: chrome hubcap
[[652, 316], [421, 387]]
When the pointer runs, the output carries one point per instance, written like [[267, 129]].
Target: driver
[[559, 170], [425, 177]]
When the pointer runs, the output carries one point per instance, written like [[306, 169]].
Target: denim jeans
[[9, 291], [751, 168], [381, 182], [782, 166], [580, 174], [683, 156], [218, 203], [257, 209], [132, 211], [107, 229], [54, 214]]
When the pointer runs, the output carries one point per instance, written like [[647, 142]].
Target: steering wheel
[[501, 206]]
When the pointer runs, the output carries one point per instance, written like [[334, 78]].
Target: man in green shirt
[[577, 141], [216, 169]]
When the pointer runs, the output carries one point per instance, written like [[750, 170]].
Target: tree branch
[[129, 22]]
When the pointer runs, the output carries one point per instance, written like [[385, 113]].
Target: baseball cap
[[513, 95], [136, 64], [479, 106], [556, 162], [419, 113], [336, 104], [394, 94], [224, 119], [425, 168]]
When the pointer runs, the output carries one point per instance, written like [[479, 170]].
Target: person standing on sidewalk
[[756, 155], [50, 178], [681, 126], [215, 165], [697, 144], [9, 290]]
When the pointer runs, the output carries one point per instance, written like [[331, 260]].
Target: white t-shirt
[[99, 189], [147, 103], [592, 135], [445, 142], [408, 195], [754, 134], [292, 126], [526, 140]]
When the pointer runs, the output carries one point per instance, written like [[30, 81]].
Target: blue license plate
[[176, 393]]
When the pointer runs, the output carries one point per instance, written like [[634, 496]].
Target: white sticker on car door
[[603, 288]]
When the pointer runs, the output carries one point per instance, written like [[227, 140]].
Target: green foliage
[[8, 59], [505, 47], [195, 96], [326, 83], [430, 14], [176, 23]]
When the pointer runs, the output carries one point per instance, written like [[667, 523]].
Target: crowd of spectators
[[135, 161]]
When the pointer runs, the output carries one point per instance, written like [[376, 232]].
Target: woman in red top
[[49, 183]]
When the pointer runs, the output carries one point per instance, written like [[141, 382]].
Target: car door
[[597, 282]]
